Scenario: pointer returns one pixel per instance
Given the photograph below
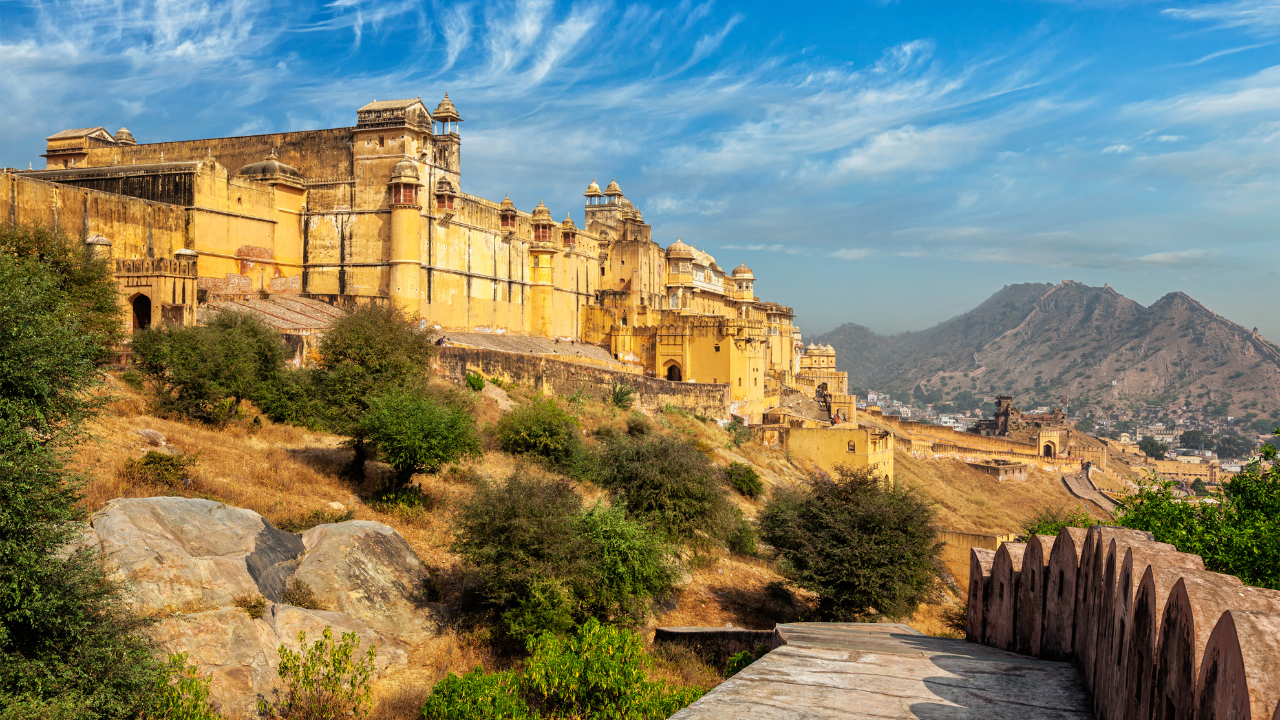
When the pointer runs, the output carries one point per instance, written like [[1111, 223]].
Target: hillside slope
[[1089, 345]]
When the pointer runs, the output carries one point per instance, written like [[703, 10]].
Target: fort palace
[[285, 222]]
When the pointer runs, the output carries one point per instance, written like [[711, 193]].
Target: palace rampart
[[1152, 634], [563, 377]]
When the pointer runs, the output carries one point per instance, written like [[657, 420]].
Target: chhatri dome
[[679, 248], [568, 223], [613, 190], [743, 271], [541, 215], [405, 171], [593, 190], [507, 205]]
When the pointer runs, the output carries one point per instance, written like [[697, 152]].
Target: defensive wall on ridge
[[933, 441], [1153, 635], [563, 377]]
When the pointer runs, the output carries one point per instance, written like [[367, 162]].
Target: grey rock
[[153, 437]]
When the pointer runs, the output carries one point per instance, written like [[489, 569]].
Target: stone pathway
[[853, 670]]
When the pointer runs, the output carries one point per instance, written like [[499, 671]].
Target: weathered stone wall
[[1153, 634], [560, 377]]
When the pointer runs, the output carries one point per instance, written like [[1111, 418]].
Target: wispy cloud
[[1258, 15]]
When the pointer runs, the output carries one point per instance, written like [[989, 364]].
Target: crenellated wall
[[1153, 635]]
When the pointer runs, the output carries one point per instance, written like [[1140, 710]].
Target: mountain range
[[1074, 345]]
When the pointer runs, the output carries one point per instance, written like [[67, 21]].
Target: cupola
[[124, 137], [507, 214], [569, 231], [612, 192], [446, 196], [405, 182], [446, 117], [679, 251], [269, 168], [593, 193], [742, 271], [541, 223]]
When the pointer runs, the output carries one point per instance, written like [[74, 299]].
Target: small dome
[[446, 112], [743, 271], [811, 346], [272, 167], [613, 190], [679, 248], [444, 187], [568, 223], [405, 171], [593, 190], [507, 206], [541, 215], [124, 137]]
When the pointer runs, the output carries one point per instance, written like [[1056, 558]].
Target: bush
[[1051, 520], [325, 681], [180, 694], [1238, 535], [623, 396], [69, 647], [475, 381], [744, 478], [542, 429], [666, 482], [638, 425], [415, 434], [203, 373], [545, 564], [738, 433], [859, 543], [254, 605], [299, 594], [156, 468], [599, 672]]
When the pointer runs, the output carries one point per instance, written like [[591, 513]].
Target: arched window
[[673, 373]]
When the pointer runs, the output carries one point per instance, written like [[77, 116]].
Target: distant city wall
[[1152, 633], [562, 377]]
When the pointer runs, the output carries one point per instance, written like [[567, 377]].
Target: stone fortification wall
[[562, 377], [1153, 634]]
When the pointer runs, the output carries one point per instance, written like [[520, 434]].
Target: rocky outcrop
[[368, 571], [186, 560]]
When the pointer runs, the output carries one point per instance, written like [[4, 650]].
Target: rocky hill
[[1089, 345]]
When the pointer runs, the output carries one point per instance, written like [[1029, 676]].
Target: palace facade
[[377, 212]]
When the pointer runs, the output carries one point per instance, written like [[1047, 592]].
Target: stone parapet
[[1152, 633]]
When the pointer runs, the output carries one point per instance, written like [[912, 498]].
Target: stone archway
[[1050, 450], [674, 373], [141, 311]]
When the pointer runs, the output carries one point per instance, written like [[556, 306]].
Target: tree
[[1238, 535], [416, 434], [863, 545], [1152, 448], [1195, 440], [1235, 446], [203, 373], [68, 646], [1051, 520]]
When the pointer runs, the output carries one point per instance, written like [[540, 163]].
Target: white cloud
[[851, 253], [1259, 15], [1171, 138], [1116, 149]]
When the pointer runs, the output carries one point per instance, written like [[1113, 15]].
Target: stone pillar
[[406, 230]]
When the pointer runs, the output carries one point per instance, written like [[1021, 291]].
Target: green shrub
[[180, 694], [541, 428], [545, 564], [1237, 535], [738, 433], [1051, 520], [597, 673], [133, 379], [475, 381], [415, 434], [739, 661], [294, 397], [69, 646], [638, 425], [476, 696], [254, 605], [407, 497], [156, 468], [741, 536], [623, 396], [859, 543], [744, 478], [666, 482], [325, 681], [203, 373]]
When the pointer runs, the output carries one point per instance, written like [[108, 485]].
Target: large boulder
[[368, 571], [189, 555], [187, 560]]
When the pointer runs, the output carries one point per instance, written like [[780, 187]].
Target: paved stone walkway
[[853, 670]]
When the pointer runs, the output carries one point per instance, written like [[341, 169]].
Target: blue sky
[[887, 163]]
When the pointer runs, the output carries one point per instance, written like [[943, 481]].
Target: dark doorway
[[673, 373], [141, 312], [1048, 451]]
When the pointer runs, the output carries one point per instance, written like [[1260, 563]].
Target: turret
[[742, 285], [406, 233], [507, 215], [568, 232], [593, 193], [612, 193], [541, 223]]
